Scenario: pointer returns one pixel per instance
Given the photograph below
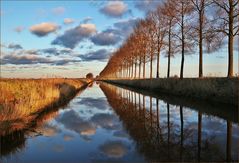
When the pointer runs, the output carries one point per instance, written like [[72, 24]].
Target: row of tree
[[176, 27]]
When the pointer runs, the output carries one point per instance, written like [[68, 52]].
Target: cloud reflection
[[74, 122], [49, 130], [105, 120], [68, 137], [114, 149], [99, 103]]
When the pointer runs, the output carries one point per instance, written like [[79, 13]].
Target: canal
[[106, 123]]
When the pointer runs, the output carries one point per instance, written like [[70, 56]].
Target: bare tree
[[168, 11], [160, 22], [151, 26], [201, 29], [228, 25], [183, 9]]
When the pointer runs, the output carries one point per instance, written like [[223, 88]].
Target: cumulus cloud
[[99, 103], [49, 130], [55, 51], [99, 55], [66, 51], [114, 35], [64, 62], [87, 19], [75, 123], [19, 29], [114, 9], [107, 37], [68, 137], [126, 26], [14, 46], [33, 56], [43, 29], [114, 149], [68, 21], [24, 59], [75, 35], [105, 120], [58, 10]]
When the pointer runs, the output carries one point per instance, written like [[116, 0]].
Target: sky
[[71, 38]]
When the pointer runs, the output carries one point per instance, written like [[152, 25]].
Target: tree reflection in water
[[167, 141], [158, 129]]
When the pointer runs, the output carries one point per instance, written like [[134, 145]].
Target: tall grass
[[221, 90], [21, 99]]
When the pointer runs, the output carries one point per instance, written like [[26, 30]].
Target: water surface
[[106, 123]]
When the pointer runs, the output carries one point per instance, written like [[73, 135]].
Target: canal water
[[106, 123]]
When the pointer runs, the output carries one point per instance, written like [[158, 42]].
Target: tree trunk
[[229, 140], [135, 69], [144, 66], [132, 70], [158, 55], [183, 43], [230, 40], [151, 65], [199, 135], [169, 47], [168, 115], [140, 60], [182, 138], [201, 15]]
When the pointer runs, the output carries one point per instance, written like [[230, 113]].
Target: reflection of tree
[[199, 134], [161, 141], [12, 143], [229, 140]]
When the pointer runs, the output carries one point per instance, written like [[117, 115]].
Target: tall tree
[[199, 7], [168, 11], [183, 9], [228, 24], [160, 22], [151, 26]]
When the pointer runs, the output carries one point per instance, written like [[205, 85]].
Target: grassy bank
[[22, 100], [223, 90]]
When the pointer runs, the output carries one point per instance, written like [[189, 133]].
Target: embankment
[[24, 100], [222, 90]]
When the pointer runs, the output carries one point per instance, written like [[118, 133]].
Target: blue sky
[[72, 38]]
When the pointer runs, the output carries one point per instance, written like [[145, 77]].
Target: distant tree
[[89, 76]]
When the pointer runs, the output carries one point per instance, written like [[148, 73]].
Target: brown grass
[[22, 99], [224, 90]]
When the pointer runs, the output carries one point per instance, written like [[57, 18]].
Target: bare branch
[[221, 6], [237, 32]]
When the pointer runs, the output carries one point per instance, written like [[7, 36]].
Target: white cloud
[[68, 21], [43, 29], [114, 149], [114, 9]]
